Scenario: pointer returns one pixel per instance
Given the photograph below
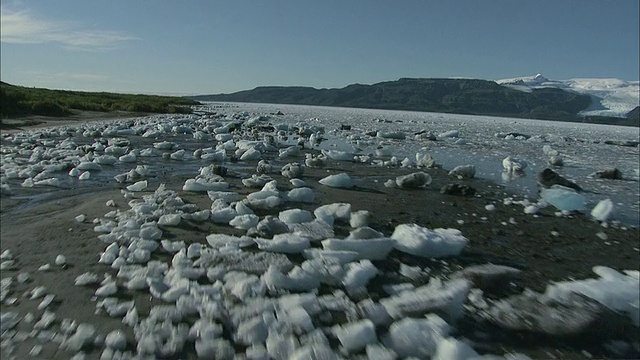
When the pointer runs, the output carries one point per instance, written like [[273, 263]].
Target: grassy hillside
[[17, 101], [462, 96]]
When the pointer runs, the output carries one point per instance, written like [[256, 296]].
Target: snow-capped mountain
[[611, 97]]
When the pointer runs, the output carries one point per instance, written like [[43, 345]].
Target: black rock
[[458, 190], [627, 143], [610, 173], [345, 127], [547, 178]]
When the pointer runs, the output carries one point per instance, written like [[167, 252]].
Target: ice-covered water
[[484, 142]]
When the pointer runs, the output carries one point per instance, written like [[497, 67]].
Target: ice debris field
[[289, 288]]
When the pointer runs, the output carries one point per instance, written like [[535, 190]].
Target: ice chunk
[[358, 274], [252, 331], [83, 336], [356, 335], [116, 340], [341, 257], [603, 210], [331, 212], [420, 241], [538, 313], [314, 230], [449, 134], [371, 249], [295, 216], [251, 154], [170, 220], [342, 180], [221, 240], [245, 222], [513, 165], [61, 260], [379, 352], [138, 186], [452, 349], [296, 317], [359, 218], [563, 198], [301, 194], [447, 297], [616, 291], [203, 185], [284, 243], [414, 180], [292, 170], [416, 337], [338, 155], [296, 280], [464, 171], [280, 347]]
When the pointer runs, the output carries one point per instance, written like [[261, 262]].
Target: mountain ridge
[[463, 96]]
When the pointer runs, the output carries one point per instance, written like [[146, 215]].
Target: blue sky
[[204, 47]]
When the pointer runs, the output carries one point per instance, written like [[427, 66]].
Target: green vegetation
[[17, 101]]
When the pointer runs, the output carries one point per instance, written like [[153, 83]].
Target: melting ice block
[[355, 336], [617, 291], [417, 338], [138, 186], [341, 180], [416, 240], [371, 249], [447, 297], [563, 198], [603, 210], [284, 243]]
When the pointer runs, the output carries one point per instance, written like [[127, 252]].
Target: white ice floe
[[417, 240], [203, 185], [617, 291], [284, 243], [301, 194], [342, 180], [463, 171], [446, 297], [513, 165], [292, 170], [371, 249], [563, 198], [603, 210], [138, 186], [245, 222], [341, 257], [355, 336], [338, 155], [295, 216], [416, 337], [413, 181], [332, 212], [359, 218]]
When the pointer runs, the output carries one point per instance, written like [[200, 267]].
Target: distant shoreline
[[17, 124]]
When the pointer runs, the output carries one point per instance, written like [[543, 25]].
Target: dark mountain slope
[[463, 96]]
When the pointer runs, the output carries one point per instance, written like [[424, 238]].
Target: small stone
[[458, 190]]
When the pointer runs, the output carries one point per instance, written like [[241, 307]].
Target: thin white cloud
[[20, 27]]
